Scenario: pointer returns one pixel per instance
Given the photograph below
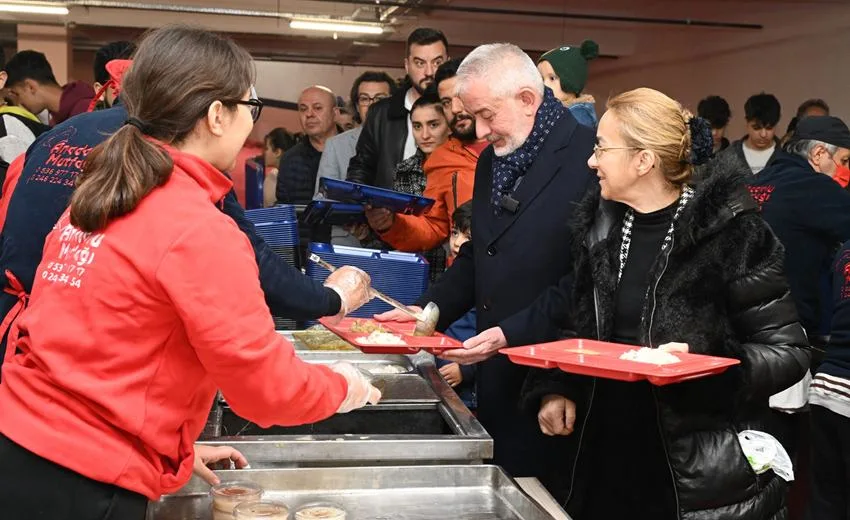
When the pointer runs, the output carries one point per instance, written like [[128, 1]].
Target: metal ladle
[[426, 321]]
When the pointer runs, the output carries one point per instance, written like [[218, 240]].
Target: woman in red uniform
[[147, 300]]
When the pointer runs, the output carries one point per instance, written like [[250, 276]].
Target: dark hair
[[29, 65], [429, 98], [763, 108], [462, 218], [715, 110], [280, 139], [167, 95], [2, 58], [426, 36], [370, 76], [447, 70], [110, 51], [812, 103]]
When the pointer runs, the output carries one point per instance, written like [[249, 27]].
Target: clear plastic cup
[[320, 511], [261, 510], [227, 495]]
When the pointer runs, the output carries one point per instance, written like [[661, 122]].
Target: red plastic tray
[[436, 344], [602, 359]]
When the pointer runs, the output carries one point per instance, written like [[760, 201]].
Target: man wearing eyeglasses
[[369, 88], [387, 135]]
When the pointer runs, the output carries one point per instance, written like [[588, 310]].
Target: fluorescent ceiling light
[[336, 26], [39, 8]]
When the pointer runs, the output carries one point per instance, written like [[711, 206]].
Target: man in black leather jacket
[[386, 138]]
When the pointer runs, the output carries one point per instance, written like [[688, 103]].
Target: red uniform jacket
[[130, 331]]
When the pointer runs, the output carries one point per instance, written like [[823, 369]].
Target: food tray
[[602, 359], [395, 201], [436, 344], [333, 213], [470, 492]]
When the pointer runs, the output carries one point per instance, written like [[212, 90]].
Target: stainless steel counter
[[420, 420], [375, 493]]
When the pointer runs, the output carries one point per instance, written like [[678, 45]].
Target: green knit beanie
[[570, 64]]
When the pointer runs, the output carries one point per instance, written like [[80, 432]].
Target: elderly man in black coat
[[526, 187]]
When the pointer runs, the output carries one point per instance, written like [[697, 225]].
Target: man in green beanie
[[564, 70]]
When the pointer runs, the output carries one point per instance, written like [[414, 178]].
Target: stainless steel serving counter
[[420, 420], [375, 493]]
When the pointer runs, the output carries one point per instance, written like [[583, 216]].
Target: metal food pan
[[374, 493]]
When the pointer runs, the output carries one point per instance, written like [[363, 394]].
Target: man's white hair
[[504, 67]]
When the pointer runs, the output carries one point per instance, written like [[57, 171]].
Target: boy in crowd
[[461, 378], [759, 148], [32, 85], [715, 110]]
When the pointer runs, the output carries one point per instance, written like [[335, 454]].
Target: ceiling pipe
[[554, 14], [142, 6], [190, 9]]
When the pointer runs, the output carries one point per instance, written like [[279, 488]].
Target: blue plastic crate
[[280, 213], [404, 276], [279, 233]]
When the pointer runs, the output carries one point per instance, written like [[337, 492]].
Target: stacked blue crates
[[404, 276], [279, 228]]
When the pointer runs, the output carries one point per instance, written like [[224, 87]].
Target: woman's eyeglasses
[[254, 104], [599, 150]]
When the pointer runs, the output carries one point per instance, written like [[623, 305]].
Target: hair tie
[[702, 144], [138, 123]]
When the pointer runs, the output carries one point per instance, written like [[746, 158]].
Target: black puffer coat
[[720, 289]]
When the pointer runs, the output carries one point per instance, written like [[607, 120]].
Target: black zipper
[[654, 390]]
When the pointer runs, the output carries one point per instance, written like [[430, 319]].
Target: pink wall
[[798, 55]]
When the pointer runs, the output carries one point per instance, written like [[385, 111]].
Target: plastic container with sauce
[[261, 510], [320, 511], [227, 495]]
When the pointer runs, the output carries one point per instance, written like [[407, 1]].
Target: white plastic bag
[[764, 452], [793, 399]]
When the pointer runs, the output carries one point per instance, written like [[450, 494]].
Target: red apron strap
[[15, 288]]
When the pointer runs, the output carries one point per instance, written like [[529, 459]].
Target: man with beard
[[387, 136], [527, 184], [450, 173]]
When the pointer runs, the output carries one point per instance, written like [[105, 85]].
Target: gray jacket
[[339, 150]]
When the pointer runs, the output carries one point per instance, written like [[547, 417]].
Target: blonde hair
[[650, 120]]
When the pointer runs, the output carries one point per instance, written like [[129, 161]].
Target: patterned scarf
[[507, 169]]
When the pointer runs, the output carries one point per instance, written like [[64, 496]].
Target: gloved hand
[[360, 390], [352, 285]]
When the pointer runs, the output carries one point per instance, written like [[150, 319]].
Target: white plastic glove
[[353, 287], [360, 389]]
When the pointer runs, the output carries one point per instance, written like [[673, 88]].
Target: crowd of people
[[135, 286]]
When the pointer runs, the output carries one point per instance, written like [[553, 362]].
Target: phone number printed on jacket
[[77, 251], [63, 165]]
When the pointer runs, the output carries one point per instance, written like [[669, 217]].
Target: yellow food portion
[[367, 326], [321, 340]]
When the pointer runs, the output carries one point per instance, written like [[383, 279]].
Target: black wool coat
[[510, 261]]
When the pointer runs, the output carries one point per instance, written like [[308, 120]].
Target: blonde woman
[[664, 262]]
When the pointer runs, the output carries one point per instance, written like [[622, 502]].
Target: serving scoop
[[426, 321]]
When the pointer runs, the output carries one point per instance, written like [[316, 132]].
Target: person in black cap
[[808, 210]]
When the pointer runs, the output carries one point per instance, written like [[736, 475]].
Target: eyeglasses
[[365, 99], [254, 104], [599, 150]]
